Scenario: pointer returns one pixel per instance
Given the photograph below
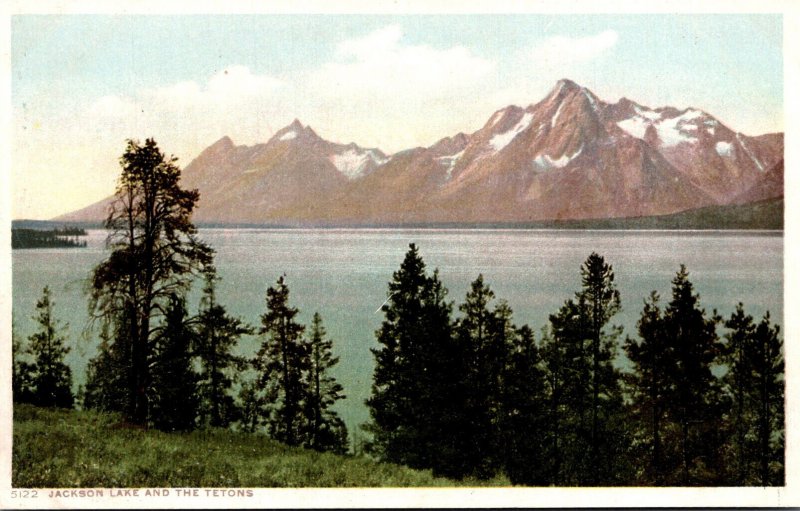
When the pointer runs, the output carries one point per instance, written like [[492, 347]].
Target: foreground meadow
[[80, 449]]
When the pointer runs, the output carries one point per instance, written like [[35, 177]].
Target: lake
[[343, 274]]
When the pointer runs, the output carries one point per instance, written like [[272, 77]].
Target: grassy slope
[[72, 449]]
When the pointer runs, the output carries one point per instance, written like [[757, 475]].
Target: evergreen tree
[[651, 388], [770, 419], [281, 362], [417, 392], [325, 430], [21, 371], [738, 383], [174, 400], [602, 302], [154, 253], [252, 407], [696, 403], [441, 385], [588, 433], [217, 335], [51, 378], [482, 335], [109, 372], [564, 352], [753, 354], [525, 413]]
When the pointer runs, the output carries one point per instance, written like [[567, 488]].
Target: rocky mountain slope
[[569, 156]]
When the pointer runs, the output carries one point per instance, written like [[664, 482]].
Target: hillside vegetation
[[74, 449], [762, 215], [766, 214]]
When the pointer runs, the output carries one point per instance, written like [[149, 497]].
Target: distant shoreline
[[764, 215], [59, 237]]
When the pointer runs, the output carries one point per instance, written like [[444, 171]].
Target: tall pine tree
[[325, 431], [153, 255], [217, 336], [281, 361], [696, 403], [109, 372], [51, 378], [587, 433], [602, 302], [738, 383], [173, 399], [651, 389], [481, 334], [415, 406], [770, 423], [564, 353], [525, 413], [753, 354]]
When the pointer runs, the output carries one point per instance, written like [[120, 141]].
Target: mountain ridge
[[569, 156]]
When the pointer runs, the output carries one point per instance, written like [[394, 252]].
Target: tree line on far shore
[[53, 238], [466, 394]]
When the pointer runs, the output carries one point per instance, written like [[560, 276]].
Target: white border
[[451, 497]]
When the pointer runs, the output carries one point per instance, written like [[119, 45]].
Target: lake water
[[343, 274]]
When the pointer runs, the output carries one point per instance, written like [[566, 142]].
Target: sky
[[83, 84]]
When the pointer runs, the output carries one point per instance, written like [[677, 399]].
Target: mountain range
[[569, 156]]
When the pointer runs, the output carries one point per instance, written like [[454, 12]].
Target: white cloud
[[379, 63], [233, 85], [378, 42], [239, 80], [569, 50], [112, 106], [379, 90]]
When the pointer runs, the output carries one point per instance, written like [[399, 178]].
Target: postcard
[[399, 255]]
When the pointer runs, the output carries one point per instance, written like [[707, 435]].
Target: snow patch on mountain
[[691, 114], [724, 148], [555, 116], [352, 163], [634, 126], [450, 161], [750, 154], [499, 115], [647, 113], [671, 131], [289, 135], [499, 141], [545, 162]]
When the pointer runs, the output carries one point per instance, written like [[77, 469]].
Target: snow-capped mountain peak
[[570, 155]]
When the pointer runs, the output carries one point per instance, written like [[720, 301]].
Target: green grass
[[81, 449]]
